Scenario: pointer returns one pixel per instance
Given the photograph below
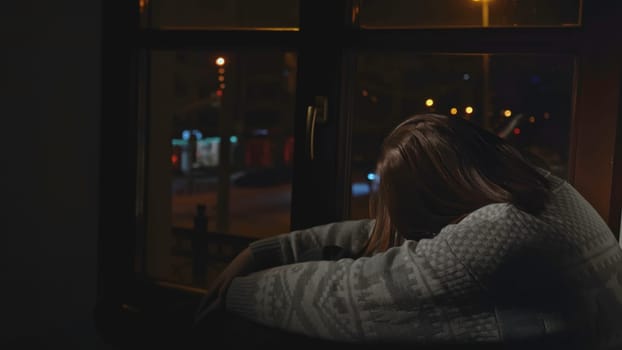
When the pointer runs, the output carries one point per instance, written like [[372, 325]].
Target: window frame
[[129, 305]]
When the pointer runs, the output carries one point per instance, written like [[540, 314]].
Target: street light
[[485, 64], [485, 21]]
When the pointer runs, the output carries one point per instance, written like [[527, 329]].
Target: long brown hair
[[433, 170]]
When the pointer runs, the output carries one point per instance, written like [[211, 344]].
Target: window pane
[[230, 14], [220, 143], [468, 13], [526, 99]]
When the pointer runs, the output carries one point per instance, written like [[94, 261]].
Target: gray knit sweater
[[498, 275]]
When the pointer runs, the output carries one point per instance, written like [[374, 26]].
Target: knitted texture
[[498, 275]]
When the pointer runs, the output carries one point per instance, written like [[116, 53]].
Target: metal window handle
[[317, 113]]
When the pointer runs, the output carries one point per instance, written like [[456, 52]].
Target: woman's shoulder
[[497, 214], [496, 219]]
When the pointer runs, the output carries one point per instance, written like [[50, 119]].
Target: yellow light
[[142, 4], [220, 61], [221, 78], [429, 102], [507, 113], [468, 110], [453, 111], [532, 119]]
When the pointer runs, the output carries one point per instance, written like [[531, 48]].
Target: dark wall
[[49, 122]]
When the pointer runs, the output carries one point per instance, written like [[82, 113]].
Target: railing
[[206, 247]]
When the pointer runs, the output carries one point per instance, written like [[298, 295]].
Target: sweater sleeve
[[350, 235], [417, 292]]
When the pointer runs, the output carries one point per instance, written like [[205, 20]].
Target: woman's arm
[[350, 235], [417, 292], [330, 241]]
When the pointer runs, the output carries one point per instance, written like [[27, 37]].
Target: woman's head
[[435, 169]]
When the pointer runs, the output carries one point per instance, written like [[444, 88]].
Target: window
[[219, 14], [469, 13], [221, 144], [208, 141], [526, 99]]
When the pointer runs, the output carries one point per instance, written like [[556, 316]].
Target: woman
[[467, 244]]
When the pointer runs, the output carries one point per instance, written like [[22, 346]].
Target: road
[[254, 211]]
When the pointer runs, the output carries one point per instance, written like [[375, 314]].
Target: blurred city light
[[142, 4], [371, 176], [453, 111], [532, 119], [516, 131], [468, 110], [507, 113], [360, 189], [220, 61], [429, 102], [262, 132], [365, 92]]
